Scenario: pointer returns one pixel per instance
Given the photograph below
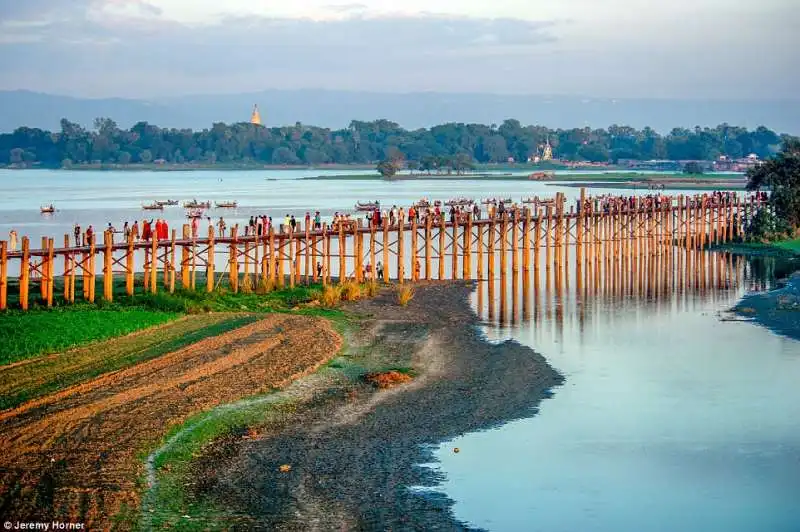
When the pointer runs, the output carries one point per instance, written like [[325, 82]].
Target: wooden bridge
[[592, 235]]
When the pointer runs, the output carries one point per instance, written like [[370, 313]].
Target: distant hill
[[336, 109]]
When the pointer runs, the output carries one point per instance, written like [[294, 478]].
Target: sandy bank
[[355, 451]]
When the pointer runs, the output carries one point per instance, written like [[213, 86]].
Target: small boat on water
[[194, 204], [369, 206], [169, 202], [226, 204], [458, 202], [49, 209], [488, 201], [153, 207], [541, 176], [194, 213], [423, 203]]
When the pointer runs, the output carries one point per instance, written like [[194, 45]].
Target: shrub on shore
[[404, 295], [371, 289], [350, 291]]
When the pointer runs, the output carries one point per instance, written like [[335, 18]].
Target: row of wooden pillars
[[598, 230]]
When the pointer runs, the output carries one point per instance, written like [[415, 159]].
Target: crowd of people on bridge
[[420, 212]]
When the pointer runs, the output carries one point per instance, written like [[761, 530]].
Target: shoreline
[[777, 309], [354, 451]]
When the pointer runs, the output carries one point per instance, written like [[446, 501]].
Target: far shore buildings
[[726, 164]]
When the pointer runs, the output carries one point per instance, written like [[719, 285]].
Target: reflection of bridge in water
[[613, 245], [606, 292]]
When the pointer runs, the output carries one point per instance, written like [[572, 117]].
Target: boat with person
[[169, 202], [226, 204], [194, 204], [367, 206], [48, 209], [194, 213], [156, 206], [489, 201], [459, 202]]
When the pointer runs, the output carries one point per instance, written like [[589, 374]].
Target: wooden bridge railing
[[599, 235]]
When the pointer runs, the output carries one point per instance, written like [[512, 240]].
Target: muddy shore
[[355, 451], [778, 309]]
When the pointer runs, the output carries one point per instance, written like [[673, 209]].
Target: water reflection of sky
[[669, 419]]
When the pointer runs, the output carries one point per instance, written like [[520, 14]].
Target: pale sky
[[599, 48]]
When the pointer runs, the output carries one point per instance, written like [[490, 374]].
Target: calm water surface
[[669, 419]]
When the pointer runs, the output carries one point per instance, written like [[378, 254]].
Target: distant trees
[[451, 147], [388, 167], [693, 167]]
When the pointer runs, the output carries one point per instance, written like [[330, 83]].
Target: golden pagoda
[[548, 151], [255, 118]]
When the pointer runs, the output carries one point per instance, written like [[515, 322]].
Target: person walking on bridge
[[12, 240]]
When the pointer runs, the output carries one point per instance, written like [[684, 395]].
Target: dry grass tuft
[[371, 289], [387, 379], [265, 286], [330, 296], [247, 285], [404, 295], [350, 291]]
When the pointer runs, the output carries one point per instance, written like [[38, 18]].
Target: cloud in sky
[[611, 48]]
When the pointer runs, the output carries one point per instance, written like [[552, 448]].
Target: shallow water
[[669, 419]]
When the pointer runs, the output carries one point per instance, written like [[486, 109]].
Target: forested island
[[451, 145]]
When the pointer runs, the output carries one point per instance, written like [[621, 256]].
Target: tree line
[[456, 145]]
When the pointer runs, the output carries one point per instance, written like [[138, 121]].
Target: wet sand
[[778, 309], [355, 451]]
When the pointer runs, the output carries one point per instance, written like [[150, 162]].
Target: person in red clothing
[[147, 232], [163, 234]]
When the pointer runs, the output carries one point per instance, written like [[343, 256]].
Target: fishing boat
[[48, 209], [488, 201], [423, 203], [541, 176], [226, 204], [194, 213], [153, 207], [458, 202], [369, 206], [169, 202], [194, 204]]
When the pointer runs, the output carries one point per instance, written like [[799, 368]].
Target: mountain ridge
[[335, 109]]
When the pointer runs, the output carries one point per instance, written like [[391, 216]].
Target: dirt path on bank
[[354, 454], [75, 454]]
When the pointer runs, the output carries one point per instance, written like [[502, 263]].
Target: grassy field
[[781, 248], [46, 374], [27, 334], [43, 330]]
